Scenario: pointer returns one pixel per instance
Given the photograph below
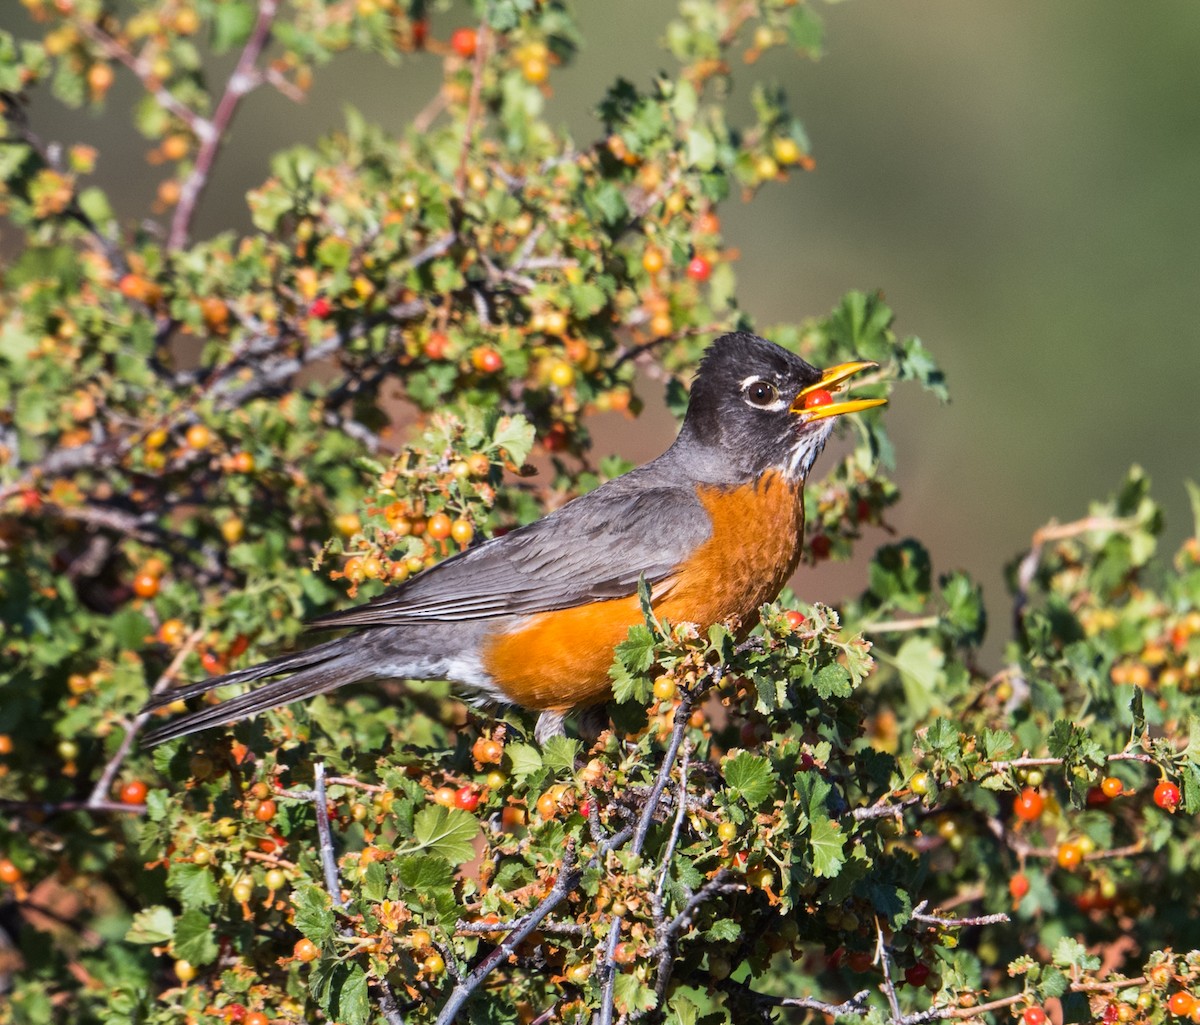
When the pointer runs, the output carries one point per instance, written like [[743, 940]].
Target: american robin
[[714, 525]]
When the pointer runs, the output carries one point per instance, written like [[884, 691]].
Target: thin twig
[[99, 795], [881, 956], [568, 879], [245, 78], [483, 37], [918, 915]]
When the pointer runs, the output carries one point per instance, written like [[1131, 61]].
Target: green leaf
[[131, 629], [340, 987], [827, 844], [152, 925], [313, 912], [832, 681], [632, 994], [525, 759], [192, 884], [1070, 953], [636, 652], [749, 776], [920, 663], [447, 832], [424, 873], [559, 754], [194, 938]]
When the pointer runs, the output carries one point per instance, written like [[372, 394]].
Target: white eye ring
[[761, 394]]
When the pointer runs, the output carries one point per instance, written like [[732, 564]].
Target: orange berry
[[653, 260], [1029, 805], [185, 971], [242, 462], [547, 805], [1070, 855], [1111, 787], [1181, 1003], [444, 796], [265, 811], [145, 585], [9, 873], [305, 950], [99, 79], [440, 526], [172, 632], [198, 436], [463, 531], [6, 744]]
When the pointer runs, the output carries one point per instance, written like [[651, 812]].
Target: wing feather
[[592, 549]]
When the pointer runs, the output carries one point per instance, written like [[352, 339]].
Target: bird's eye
[[761, 393]]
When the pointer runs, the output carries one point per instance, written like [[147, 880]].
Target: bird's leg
[[549, 724], [592, 722]]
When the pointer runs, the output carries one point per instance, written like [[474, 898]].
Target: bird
[[714, 526]]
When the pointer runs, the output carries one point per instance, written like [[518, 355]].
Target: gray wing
[[592, 549]]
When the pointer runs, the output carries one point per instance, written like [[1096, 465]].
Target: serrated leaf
[[748, 776], [632, 994], [340, 987], [313, 912], [636, 652], [194, 938], [559, 754], [1053, 983], [525, 759], [920, 662], [192, 884], [997, 744], [1070, 953], [827, 844], [515, 435], [152, 925], [446, 832], [723, 929], [424, 873], [832, 681]]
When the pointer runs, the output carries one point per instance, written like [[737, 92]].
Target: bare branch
[[245, 78], [568, 879], [100, 791], [918, 915]]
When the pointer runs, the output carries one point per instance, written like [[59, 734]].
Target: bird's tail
[[320, 668]]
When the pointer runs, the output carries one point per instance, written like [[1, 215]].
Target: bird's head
[[756, 407]]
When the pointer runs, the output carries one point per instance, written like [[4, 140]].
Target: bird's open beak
[[831, 380]]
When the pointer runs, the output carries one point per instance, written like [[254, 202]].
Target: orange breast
[[559, 660]]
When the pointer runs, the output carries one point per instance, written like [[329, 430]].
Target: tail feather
[[304, 674]]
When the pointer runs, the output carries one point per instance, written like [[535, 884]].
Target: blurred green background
[[1021, 179]]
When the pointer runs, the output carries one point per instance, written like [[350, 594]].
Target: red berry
[[1166, 795], [699, 269], [820, 546], [1034, 1016], [1029, 805], [916, 975], [464, 42], [320, 308], [1018, 885], [466, 798], [133, 792], [257, 1018], [794, 619], [420, 32], [265, 811], [819, 397], [487, 360], [437, 345]]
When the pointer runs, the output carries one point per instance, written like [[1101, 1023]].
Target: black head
[[753, 409]]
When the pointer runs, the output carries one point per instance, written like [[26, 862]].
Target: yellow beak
[[831, 380]]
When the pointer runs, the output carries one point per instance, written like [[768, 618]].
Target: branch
[[100, 791], [954, 923], [483, 38], [568, 878], [245, 78]]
